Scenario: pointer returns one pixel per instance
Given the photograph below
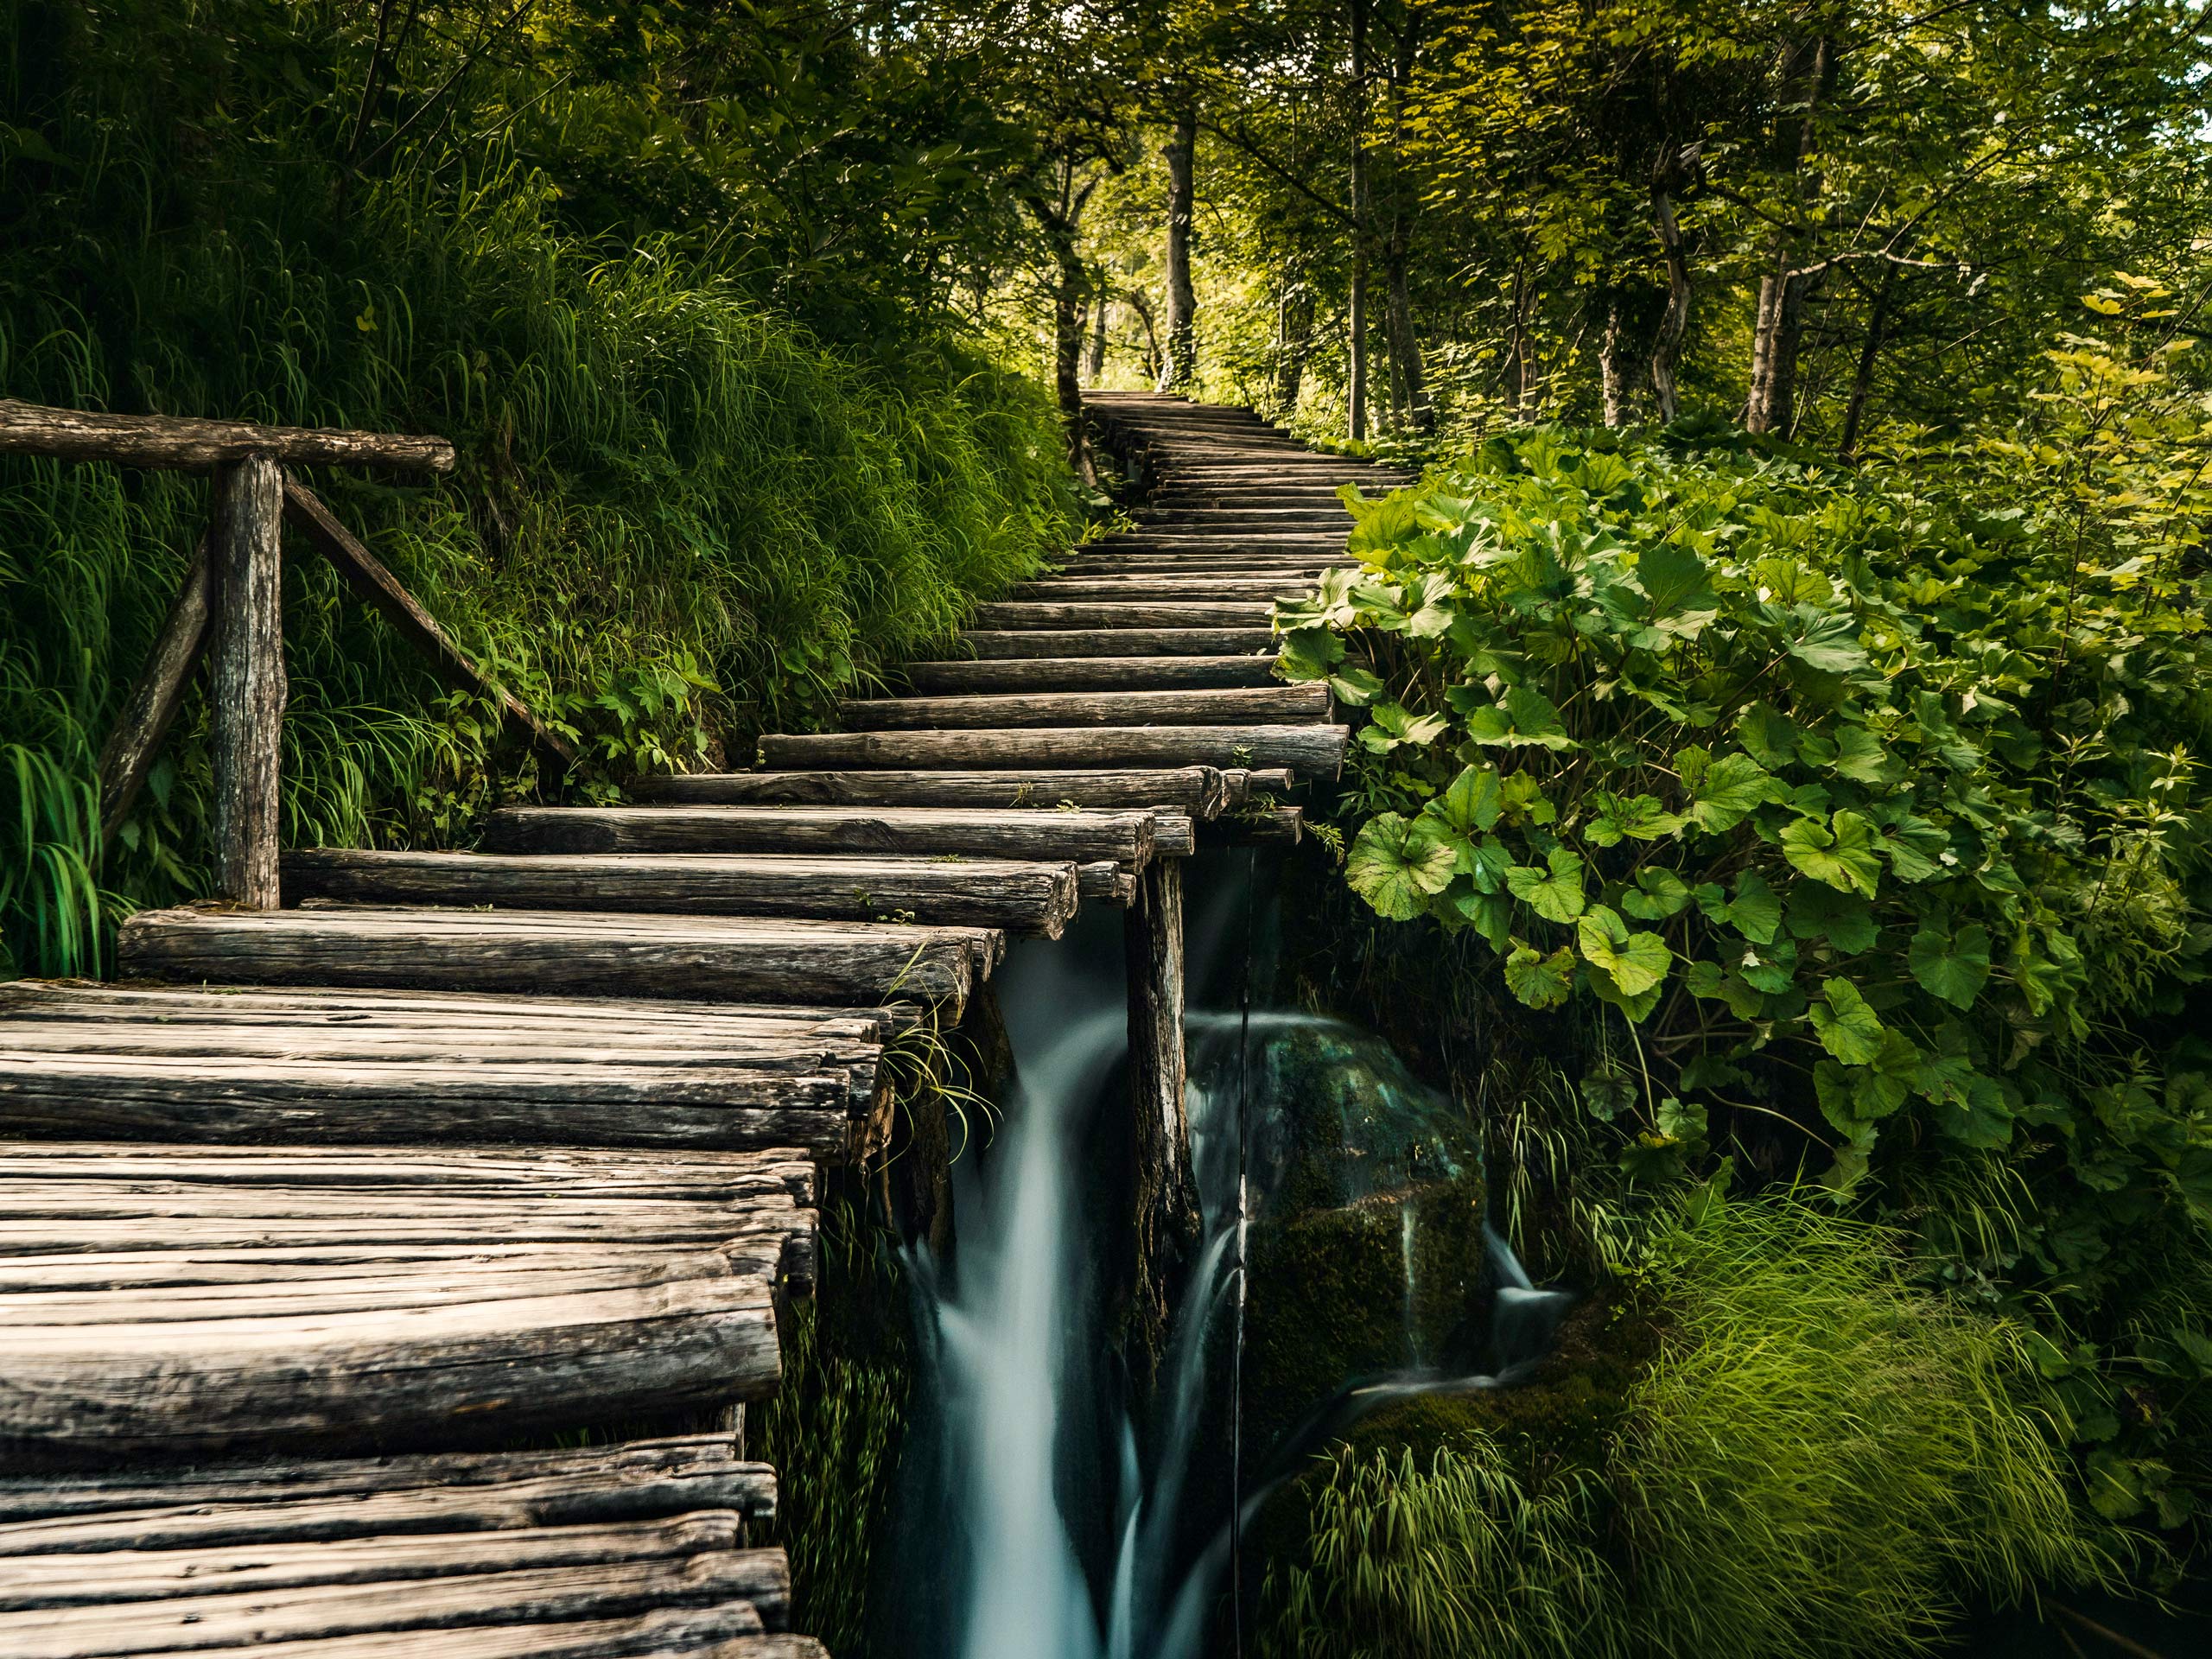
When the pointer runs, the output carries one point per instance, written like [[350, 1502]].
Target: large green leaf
[[1823, 640], [1556, 894], [1524, 717], [1673, 580], [1848, 1028], [1309, 654], [1657, 894], [1840, 852], [1726, 791], [1396, 863], [1635, 961], [1541, 981], [1472, 803], [1952, 965]]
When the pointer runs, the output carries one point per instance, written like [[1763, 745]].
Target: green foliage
[[1818, 1460]]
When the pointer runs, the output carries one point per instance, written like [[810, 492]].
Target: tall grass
[[678, 520], [1823, 1461]]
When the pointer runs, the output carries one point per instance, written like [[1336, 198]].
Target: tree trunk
[[1356, 324], [1099, 305], [1294, 339], [1071, 287], [1674, 319], [1181, 366], [1409, 399], [1862, 378], [1616, 359], [1779, 329]]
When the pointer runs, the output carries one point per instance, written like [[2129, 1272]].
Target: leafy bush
[[1822, 1461]]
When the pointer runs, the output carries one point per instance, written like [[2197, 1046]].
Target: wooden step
[[642, 1549], [1090, 673], [738, 959], [1130, 613], [1200, 791], [1311, 751], [1001, 644], [1128, 837], [336, 1066], [1036, 899], [1275, 544], [1277, 704], [183, 1301], [1162, 586], [1264, 567]]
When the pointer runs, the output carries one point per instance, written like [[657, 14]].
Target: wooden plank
[[1258, 825], [1270, 705], [1032, 898], [1243, 786], [992, 644], [1311, 751], [1038, 832], [1110, 884], [302, 1502], [1176, 586], [366, 575], [1131, 614], [731, 1630], [171, 442], [1090, 673], [1198, 790], [129, 753], [246, 685], [731, 958]]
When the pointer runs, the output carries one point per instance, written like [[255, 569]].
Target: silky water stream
[[1057, 1512]]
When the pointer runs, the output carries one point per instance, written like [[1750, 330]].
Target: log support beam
[[1164, 1207], [248, 685]]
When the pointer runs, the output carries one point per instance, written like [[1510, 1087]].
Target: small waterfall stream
[[1062, 1519]]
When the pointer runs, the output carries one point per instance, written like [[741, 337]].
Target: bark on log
[[1311, 751], [129, 753], [1038, 832], [996, 646], [1198, 790], [1271, 705], [1128, 614], [1140, 588], [1269, 825], [725, 958], [1163, 1210], [376, 586], [1110, 884], [1035, 898], [246, 683], [1090, 673], [171, 441]]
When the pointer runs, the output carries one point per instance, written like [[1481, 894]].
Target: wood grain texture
[[995, 644], [1040, 831], [1269, 705], [1128, 614], [1089, 674], [1036, 899], [1157, 587], [246, 679], [736, 959], [366, 575], [1163, 1220], [1198, 790], [136, 738], [1311, 751], [171, 441]]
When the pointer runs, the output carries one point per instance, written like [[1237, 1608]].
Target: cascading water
[[1060, 1520]]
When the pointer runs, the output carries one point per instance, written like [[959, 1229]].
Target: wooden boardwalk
[[325, 1205]]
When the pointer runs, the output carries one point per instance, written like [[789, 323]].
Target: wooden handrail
[[175, 442]]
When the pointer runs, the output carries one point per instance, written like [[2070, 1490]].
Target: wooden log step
[[1243, 786], [1158, 587], [1036, 899], [1313, 751], [1300, 544], [949, 833], [1199, 791], [1110, 884], [729, 1631], [1282, 825], [1332, 517], [1128, 614], [739, 959], [430, 1347], [999, 645], [1276, 705], [89, 1515], [1090, 673]]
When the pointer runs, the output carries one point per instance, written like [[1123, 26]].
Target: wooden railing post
[[247, 681], [1164, 1212]]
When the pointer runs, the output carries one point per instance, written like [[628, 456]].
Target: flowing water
[[1062, 1519]]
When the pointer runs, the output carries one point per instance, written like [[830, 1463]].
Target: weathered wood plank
[[129, 753], [995, 644], [1252, 825], [1090, 673], [1130, 613], [366, 575], [1040, 831], [1110, 884], [1163, 1219], [1033, 897], [1311, 751], [171, 441], [739, 959], [1198, 790], [1177, 587], [246, 683], [1269, 705]]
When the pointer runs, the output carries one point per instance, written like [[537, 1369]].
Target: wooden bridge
[[391, 1162]]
